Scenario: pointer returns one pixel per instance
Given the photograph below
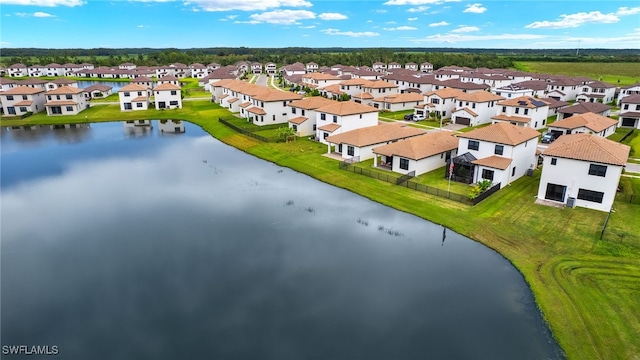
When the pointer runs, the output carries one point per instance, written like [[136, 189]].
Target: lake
[[122, 241], [116, 85]]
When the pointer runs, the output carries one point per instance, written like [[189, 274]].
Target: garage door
[[629, 122], [556, 133], [463, 121]]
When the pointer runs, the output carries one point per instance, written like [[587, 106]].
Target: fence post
[[604, 227]]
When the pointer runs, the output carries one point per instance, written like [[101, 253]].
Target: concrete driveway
[[262, 80]]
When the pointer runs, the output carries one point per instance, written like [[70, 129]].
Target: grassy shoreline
[[587, 288]]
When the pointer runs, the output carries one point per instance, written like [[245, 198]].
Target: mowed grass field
[[619, 74], [587, 288]]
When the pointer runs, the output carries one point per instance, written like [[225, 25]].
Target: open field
[[619, 74], [587, 288]]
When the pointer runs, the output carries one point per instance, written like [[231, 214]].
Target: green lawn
[[588, 289], [619, 74]]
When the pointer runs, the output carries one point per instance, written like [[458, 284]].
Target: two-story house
[[270, 107], [18, 70], [302, 114], [597, 91], [582, 170], [628, 91], [398, 102], [440, 102], [343, 116], [589, 123], [499, 152], [66, 100], [167, 96], [22, 99], [630, 111], [565, 89], [134, 97], [523, 111], [476, 108], [584, 107]]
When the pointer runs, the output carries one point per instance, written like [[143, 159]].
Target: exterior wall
[[499, 176], [74, 109], [276, 113], [516, 93], [304, 129], [364, 153], [484, 110], [444, 106], [347, 122], [604, 133], [609, 93], [574, 174], [144, 105], [423, 165], [395, 106], [537, 115], [634, 90], [166, 97], [307, 127], [18, 72], [36, 106]]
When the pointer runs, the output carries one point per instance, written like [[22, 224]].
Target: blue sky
[[320, 23]]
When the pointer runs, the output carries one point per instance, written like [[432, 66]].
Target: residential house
[[34, 83], [54, 69], [419, 154], [628, 91], [398, 102], [584, 107], [393, 66], [56, 83], [213, 66], [582, 170], [311, 67], [144, 81], [270, 68], [589, 123], [343, 116], [318, 80], [565, 89], [256, 68], [134, 97], [379, 67], [270, 106], [18, 70], [514, 90], [127, 66], [367, 74], [467, 87], [37, 71], [440, 102], [476, 108], [20, 100], [554, 106], [65, 100], [167, 96], [302, 116], [297, 68], [358, 144], [523, 111], [426, 67], [372, 89], [98, 91], [499, 152], [198, 71], [630, 111], [169, 79], [411, 66], [597, 91]]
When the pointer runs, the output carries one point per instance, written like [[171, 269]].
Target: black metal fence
[[403, 181], [627, 135], [247, 132]]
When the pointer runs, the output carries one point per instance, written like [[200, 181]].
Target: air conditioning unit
[[571, 202]]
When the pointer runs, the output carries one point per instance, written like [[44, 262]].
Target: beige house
[[22, 99], [66, 100], [167, 96], [134, 97]]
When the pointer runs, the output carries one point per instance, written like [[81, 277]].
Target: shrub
[[482, 186]]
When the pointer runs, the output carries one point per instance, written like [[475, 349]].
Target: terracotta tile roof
[[630, 114], [224, 96], [257, 111], [362, 96], [60, 103], [298, 120], [588, 147], [139, 98], [232, 100], [168, 78], [31, 81], [133, 87], [479, 96], [585, 107], [356, 81], [445, 93], [245, 104], [466, 109], [320, 76], [333, 88], [631, 99], [23, 90], [23, 103], [65, 90], [518, 119], [524, 101], [502, 133], [591, 121], [553, 103], [311, 102], [494, 161], [276, 95], [375, 134], [421, 146], [380, 84], [140, 79], [63, 81], [329, 127], [400, 98], [167, 87], [98, 87], [344, 108]]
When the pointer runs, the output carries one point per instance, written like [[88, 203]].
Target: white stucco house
[[302, 114], [589, 123], [419, 154], [630, 111], [398, 102], [359, 143], [441, 102], [584, 107], [18, 70], [66, 100], [270, 106], [98, 91], [134, 97], [628, 91], [473, 109], [343, 116], [575, 177], [597, 91], [167, 96], [523, 111], [499, 152], [20, 100]]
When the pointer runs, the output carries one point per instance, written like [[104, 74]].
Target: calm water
[[124, 242], [116, 85]]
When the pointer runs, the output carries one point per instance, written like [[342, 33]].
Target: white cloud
[[465, 29], [47, 3], [143, 26], [380, 11], [332, 16], [475, 8], [441, 23], [307, 27], [575, 20], [412, 19], [247, 5], [412, 2], [455, 38], [418, 9], [401, 28], [283, 17], [628, 11], [42, 14], [350, 33], [4, 43]]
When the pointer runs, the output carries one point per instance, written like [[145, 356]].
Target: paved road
[[262, 80]]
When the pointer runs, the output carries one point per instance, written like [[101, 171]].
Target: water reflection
[[171, 126], [137, 128], [196, 248]]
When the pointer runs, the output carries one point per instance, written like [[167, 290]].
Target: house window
[[597, 170], [517, 110], [323, 117], [69, 108], [473, 106], [173, 92], [350, 150], [554, 161], [24, 97], [139, 105], [435, 101], [474, 145], [499, 150], [127, 106], [293, 110], [325, 135], [139, 93], [274, 117], [404, 164], [589, 195], [294, 127], [173, 103], [23, 109], [504, 109], [69, 97], [10, 97], [302, 112], [513, 171], [314, 127], [487, 174], [526, 111], [335, 118], [126, 94]]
